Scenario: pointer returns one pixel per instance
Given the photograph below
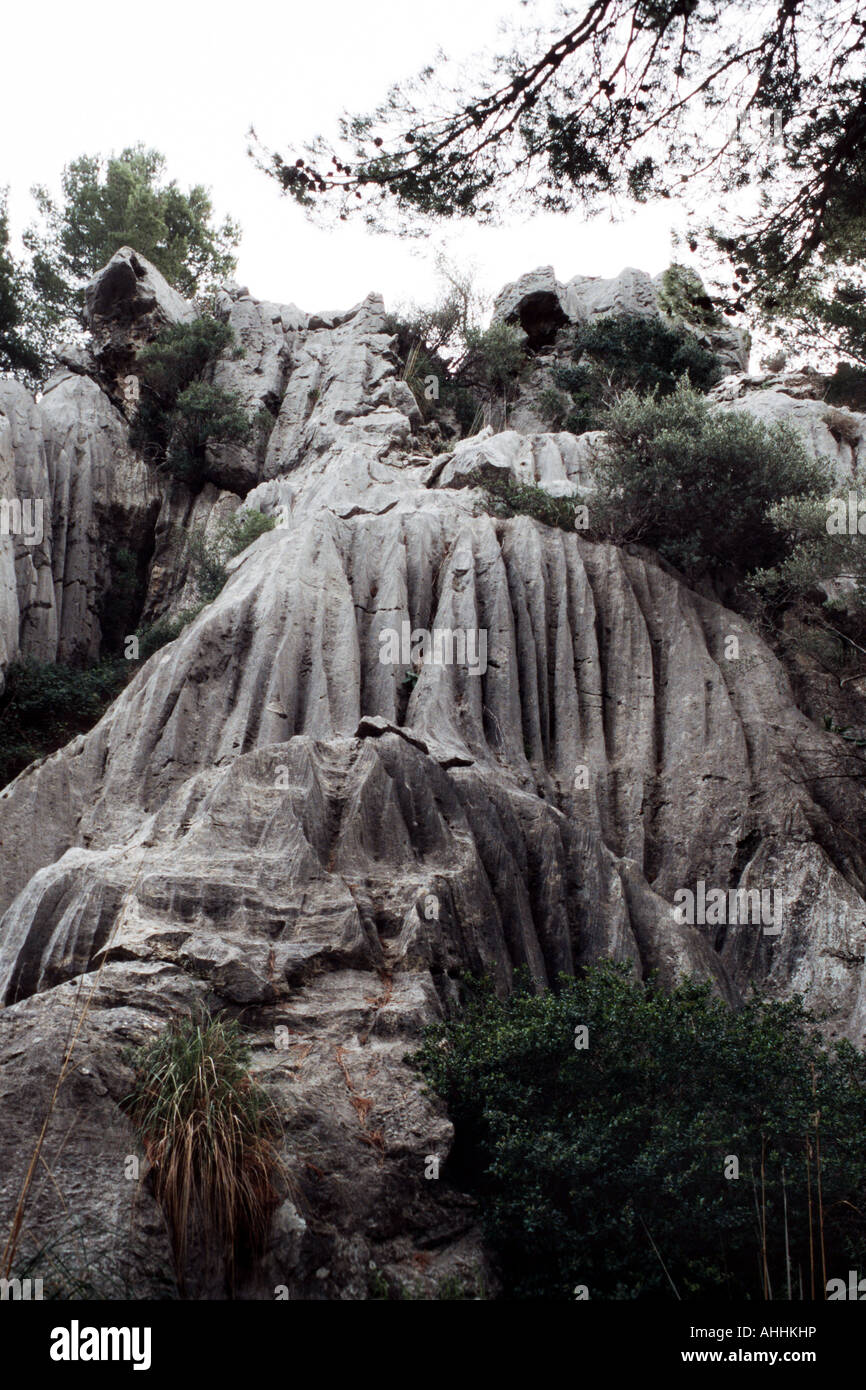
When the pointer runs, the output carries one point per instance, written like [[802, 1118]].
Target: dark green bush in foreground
[[605, 1167]]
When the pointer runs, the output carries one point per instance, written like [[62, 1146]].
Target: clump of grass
[[842, 424], [506, 498], [209, 1133]]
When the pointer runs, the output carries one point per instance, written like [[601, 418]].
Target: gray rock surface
[[273, 819], [128, 302], [829, 431], [542, 305], [69, 452]]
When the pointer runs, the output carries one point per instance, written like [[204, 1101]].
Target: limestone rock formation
[[830, 432], [126, 304], [281, 817], [542, 305]]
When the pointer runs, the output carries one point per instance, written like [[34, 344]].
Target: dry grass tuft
[[209, 1133]]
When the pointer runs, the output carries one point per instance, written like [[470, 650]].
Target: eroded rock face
[[542, 306], [69, 457], [127, 303], [290, 815], [830, 432], [538, 303]]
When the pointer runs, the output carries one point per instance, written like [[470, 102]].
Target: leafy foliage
[[605, 1167], [121, 604], [473, 366], [634, 352], [211, 555], [158, 634], [698, 484], [203, 414], [847, 387], [44, 705], [638, 100], [121, 200], [813, 600], [813, 555], [682, 296], [494, 358], [507, 498], [17, 354], [440, 328], [179, 414]]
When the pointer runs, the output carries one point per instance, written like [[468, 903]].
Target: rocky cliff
[[273, 819]]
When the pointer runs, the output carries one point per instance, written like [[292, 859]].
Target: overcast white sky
[[191, 77]]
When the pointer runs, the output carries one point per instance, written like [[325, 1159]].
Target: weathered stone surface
[[538, 303], [8, 589], [560, 463], [273, 819], [542, 305], [70, 454], [257, 377], [829, 432], [128, 302], [630, 292]]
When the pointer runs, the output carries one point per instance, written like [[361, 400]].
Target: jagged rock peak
[[542, 305]]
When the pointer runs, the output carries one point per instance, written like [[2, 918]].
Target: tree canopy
[[654, 99], [17, 354], [121, 200]]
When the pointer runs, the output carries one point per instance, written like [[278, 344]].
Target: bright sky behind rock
[[190, 78]]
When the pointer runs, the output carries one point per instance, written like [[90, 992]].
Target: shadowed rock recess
[[272, 820]]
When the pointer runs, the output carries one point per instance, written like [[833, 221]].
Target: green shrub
[[792, 594], [813, 556], [682, 295], [472, 365], [180, 413], [211, 555], [506, 498], [44, 704], [495, 356], [203, 415], [181, 354], [847, 387], [466, 404], [606, 1166], [163, 631], [698, 484], [262, 426], [556, 407], [633, 352]]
